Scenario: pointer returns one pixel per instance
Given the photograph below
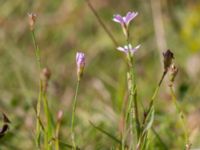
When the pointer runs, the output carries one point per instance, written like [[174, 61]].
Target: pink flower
[[125, 20], [80, 62]]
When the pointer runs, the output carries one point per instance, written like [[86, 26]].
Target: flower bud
[[32, 18], [45, 76], [59, 115], [173, 73], [80, 62], [168, 56]]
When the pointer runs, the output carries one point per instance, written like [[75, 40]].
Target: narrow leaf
[[106, 133]]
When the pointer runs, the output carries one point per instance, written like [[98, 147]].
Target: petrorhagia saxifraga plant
[[148, 119], [132, 103], [49, 127], [142, 128], [173, 73], [80, 62], [43, 83], [32, 19]]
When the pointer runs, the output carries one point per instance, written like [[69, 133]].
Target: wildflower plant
[[80, 62], [141, 125], [44, 130], [137, 126]]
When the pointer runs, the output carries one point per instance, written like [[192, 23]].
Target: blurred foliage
[[63, 27]]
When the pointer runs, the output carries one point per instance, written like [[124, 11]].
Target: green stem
[[154, 95], [57, 136], [38, 126], [143, 135], [49, 129], [37, 50], [133, 91], [134, 98], [182, 117], [73, 116], [101, 22]]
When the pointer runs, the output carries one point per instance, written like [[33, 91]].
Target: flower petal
[[118, 19], [130, 16], [121, 49], [133, 50], [80, 58]]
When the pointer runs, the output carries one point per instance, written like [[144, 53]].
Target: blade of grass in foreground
[[106, 133]]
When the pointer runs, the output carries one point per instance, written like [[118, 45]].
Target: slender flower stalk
[[73, 115], [59, 119], [124, 21], [80, 62], [101, 22], [143, 136], [45, 77], [32, 19], [174, 71], [182, 118], [168, 56]]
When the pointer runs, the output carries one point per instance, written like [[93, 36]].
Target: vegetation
[[99, 74]]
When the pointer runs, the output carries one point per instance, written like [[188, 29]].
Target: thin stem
[[134, 97], [37, 50], [133, 92], [101, 22], [73, 116], [49, 129], [38, 126], [57, 136], [147, 113], [155, 94], [182, 118]]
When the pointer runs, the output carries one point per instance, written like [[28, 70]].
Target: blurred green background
[[65, 27]]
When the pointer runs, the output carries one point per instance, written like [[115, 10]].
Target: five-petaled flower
[[80, 62], [128, 48], [125, 20]]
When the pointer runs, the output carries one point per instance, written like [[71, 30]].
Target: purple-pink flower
[[80, 62], [128, 48], [125, 20]]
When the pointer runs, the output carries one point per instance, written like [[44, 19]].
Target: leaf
[[67, 145], [106, 133], [150, 119]]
